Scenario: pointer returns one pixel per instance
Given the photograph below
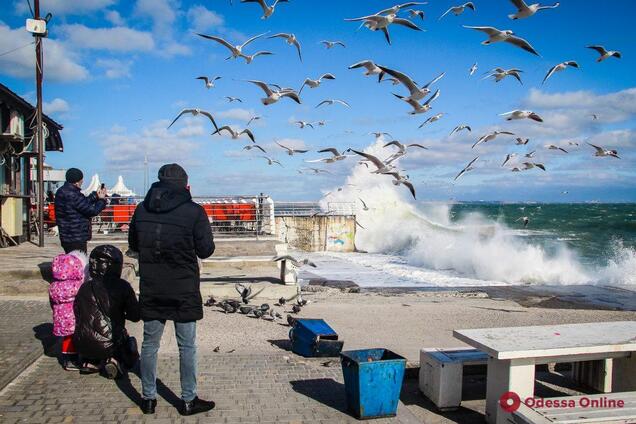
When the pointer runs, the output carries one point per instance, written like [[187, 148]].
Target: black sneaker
[[195, 406], [148, 406], [70, 365]]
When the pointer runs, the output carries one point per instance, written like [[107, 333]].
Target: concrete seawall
[[329, 233]]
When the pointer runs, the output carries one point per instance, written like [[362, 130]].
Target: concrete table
[[514, 351]]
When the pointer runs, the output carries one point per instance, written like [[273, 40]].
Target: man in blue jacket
[[73, 211]]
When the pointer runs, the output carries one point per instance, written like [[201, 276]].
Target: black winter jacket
[[169, 231], [73, 213], [102, 306]]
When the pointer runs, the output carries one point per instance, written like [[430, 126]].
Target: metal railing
[[228, 215], [313, 209]]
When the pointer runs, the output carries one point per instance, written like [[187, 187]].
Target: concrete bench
[[586, 409], [441, 373]]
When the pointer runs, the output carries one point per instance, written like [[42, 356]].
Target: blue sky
[[117, 72]]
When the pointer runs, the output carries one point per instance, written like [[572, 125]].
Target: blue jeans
[[186, 333]]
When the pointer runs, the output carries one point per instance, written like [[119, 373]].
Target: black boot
[[195, 406], [148, 406]]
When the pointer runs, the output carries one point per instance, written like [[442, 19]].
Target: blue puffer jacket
[[73, 213]]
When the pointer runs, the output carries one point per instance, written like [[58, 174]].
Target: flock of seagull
[[420, 98]]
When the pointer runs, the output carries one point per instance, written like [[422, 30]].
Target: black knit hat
[[74, 175], [173, 174]]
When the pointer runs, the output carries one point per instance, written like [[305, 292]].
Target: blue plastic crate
[[314, 338], [373, 381]]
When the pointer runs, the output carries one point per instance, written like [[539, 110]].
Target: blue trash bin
[[314, 338], [373, 380]]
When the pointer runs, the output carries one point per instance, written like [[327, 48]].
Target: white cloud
[[237, 114], [114, 18], [121, 39], [65, 7], [60, 63], [126, 151], [114, 68], [55, 106], [162, 14], [202, 19], [612, 107]]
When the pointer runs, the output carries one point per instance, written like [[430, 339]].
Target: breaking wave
[[474, 247]]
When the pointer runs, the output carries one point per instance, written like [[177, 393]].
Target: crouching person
[[102, 306]]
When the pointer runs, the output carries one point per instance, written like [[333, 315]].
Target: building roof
[[54, 140]]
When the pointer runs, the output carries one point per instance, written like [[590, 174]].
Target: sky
[[117, 72]]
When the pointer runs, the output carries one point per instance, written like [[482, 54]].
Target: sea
[[407, 243]]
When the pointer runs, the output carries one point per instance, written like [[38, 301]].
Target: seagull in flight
[[337, 156], [525, 220], [372, 68], [252, 119], [382, 168], [415, 92], [521, 141], [236, 50], [467, 168], [235, 134], [508, 157], [560, 67], [291, 40], [231, 99], [382, 22], [315, 83], [402, 180], [379, 134], [521, 114], [458, 10], [417, 107], [555, 147], [401, 150], [525, 11], [472, 69], [490, 136], [250, 57], [315, 170], [295, 262], [271, 161], [604, 152], [291, 151], [209, 82], [254, 146], [432, 119], [413, 13], [364, 205], [530, 155], [329, 102], [331, 44], [275, 95], [303, 124], [495, 35], [604, 54], [499, 73], [460, 128], [195, 112], [267, 10], [393, 10], [529, 165]]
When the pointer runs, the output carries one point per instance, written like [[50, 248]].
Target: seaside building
[[17, 158]]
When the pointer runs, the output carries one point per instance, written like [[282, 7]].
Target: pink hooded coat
[[68, 276]]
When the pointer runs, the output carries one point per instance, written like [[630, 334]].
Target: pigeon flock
[[419, 98]]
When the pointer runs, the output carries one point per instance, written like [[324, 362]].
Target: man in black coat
[[74, 211], [169, 232]]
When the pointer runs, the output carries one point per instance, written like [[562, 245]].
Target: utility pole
[[39, 131]]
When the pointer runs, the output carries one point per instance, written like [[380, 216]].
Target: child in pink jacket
[[69, 271]]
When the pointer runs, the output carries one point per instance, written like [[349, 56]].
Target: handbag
[[129, 351]]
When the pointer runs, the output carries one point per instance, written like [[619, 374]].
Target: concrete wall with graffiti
[[319, 233]]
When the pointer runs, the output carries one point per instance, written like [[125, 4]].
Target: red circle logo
[[510, 401]]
